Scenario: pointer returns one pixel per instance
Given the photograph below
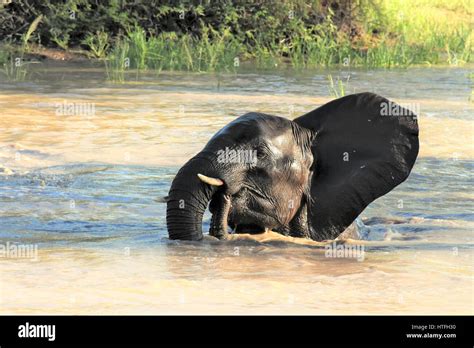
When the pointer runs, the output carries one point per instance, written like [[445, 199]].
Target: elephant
[[309, 177]]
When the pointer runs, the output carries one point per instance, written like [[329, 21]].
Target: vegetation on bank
[[221, 35]]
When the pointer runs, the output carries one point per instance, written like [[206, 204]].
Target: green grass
[[98, 44], [118, 62], [409, 33], [389, 33], [425, 32], [337, 88], [415, 32], [215, 51], [14, 71], [318, 45], [14, 68], [33, 26]]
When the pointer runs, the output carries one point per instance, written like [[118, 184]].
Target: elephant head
[[310, 177]]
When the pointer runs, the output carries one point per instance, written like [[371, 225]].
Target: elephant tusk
[[210, 181]]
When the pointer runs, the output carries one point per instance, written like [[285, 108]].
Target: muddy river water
[[83, 162]]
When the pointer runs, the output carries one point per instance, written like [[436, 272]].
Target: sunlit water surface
[[85, 189]]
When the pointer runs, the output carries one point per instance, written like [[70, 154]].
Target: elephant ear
[[364, 147]]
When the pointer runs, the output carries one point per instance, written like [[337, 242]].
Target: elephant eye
[[261, 154], [263, 150]]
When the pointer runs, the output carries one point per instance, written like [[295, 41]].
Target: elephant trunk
[[188, 199]]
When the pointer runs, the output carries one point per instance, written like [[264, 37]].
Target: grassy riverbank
[[219, 36]]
